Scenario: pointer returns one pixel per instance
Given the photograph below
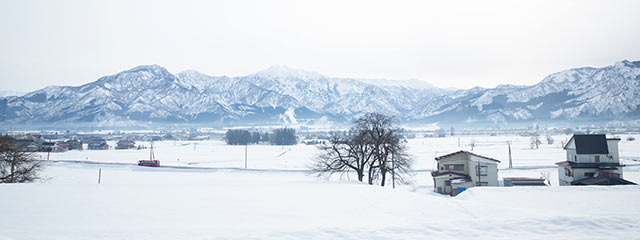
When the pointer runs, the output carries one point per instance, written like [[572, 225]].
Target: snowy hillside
[[152, 94]]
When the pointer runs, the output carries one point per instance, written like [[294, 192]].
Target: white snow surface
[[207, 194]]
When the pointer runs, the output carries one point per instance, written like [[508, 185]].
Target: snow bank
[[148, 203]]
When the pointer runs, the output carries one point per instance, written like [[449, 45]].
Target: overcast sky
[[452, 44]]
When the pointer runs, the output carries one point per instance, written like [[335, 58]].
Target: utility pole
[[151, 155], [510, 162], [245, 155], [435, 161], [393, 172], [479, 174], [99, 175]]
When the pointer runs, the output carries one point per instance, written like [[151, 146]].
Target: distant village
[[66, 141]]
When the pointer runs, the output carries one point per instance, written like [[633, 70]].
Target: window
[[575, 158], [440, 189], [596, 158], [567, 172], [447, 182], [588, 174], [455, 167], [482, 170]]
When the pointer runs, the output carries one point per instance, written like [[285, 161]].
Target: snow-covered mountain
[[152, 94], [581, 94]]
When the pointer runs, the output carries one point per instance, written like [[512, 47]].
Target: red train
[[152, 162], [149, 163]]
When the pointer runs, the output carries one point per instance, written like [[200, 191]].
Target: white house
[[592, 159], [461, 170]]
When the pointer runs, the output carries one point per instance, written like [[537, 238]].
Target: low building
[[592, 159], [46, 147], [125, 144], [97, 144], [73, 144], [523, 181], [461, 170], [28, 144]]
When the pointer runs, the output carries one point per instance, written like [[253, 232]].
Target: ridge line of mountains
[[280, 95]]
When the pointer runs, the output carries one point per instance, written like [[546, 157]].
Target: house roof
[[523, 179], [601, 165], [441, 173], [602, 181], [465, 152], [590, 143]]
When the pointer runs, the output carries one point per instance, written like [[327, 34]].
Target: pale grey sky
[[446, 43]]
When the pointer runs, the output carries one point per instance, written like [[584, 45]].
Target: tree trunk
[[384, 177]]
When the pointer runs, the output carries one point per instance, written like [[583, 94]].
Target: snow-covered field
[[208, 195], [527, 162]]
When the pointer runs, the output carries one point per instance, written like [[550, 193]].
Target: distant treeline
[[281, 136]]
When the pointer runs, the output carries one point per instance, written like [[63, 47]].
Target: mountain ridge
[[150, 93]]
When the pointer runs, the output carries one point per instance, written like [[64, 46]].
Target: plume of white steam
[[289, 117]]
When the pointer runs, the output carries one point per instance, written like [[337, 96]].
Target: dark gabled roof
[[602, 181], [590, 143], [461, 152], [601, 165]]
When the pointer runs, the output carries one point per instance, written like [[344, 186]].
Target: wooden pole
[[99, 175], [245, 155]]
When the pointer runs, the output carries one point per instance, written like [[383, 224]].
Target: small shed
[[523, 181]]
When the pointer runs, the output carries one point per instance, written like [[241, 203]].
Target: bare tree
[[549, 139], [472, 143], [342, 153], [373, 146], [17, 164], [395, 159], [546, 177], [535, 141], [388, 145]]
